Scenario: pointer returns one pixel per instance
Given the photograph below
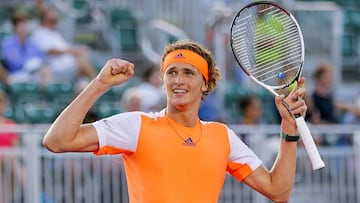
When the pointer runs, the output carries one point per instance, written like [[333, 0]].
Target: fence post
[[357, 162], [32, 161]]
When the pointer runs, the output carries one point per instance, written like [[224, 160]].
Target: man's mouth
[[180, 91]]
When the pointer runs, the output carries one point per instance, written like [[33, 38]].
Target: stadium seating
[[125, 28], [32, 103], [59, 93], [106, 109], [20, 95], [83, 9], [40, 112], [24, 92]]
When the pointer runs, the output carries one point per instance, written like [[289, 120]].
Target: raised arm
[[277, 183], [67, 132]]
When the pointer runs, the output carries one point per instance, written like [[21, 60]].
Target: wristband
[[288, 138]]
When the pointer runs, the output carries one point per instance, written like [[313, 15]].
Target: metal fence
[[30, 173]]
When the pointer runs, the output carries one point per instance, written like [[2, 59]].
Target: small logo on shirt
[[189, 142], [106, 122]]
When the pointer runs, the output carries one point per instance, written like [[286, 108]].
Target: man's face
[[327, 79], [184, 85], [21, 27], [51, 19]]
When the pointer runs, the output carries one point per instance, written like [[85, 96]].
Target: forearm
[[66, 126], [355, 110], [54, 52], [284, 168], [277, 183]]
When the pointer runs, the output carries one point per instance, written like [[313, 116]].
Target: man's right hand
[[115, 72]]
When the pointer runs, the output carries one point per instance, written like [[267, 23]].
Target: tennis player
[[171, 155]]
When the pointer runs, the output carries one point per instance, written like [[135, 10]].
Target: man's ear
[[204, 87]]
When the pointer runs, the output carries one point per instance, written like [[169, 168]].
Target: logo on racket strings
[[281, 75]]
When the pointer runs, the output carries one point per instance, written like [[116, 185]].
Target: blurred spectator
[[23, 60], [210, 109], [131, 100], [150, 91], [324, 109], [6, 139], [10, 165], [251, 113], [66, 62], [352, 111], [4, 79], [251, 108]]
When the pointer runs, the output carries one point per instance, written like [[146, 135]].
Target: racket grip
[[310, 147]]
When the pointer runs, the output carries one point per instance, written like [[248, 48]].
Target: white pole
[[32, 161]]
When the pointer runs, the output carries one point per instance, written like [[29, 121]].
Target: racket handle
[[310, 147]]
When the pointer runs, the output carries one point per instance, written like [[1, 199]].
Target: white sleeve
[[242, 160], [118, 133]]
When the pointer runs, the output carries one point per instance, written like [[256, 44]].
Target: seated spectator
[[23, 60], [351, 115], [150, 91], [66, 62], [324, 109], [4, 78], [351, 111], [131, 100], [251, 108], [10, 164], [6, 139], [251, 113]]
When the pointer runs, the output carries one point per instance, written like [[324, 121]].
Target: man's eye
[[171, 72], [189, 73]]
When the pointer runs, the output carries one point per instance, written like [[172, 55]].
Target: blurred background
[[50, 50]]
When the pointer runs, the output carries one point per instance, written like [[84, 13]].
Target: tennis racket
[[267, 43]]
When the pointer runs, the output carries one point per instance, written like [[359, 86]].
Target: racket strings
[[266, 76], [243, 32], [278, 64], [262, 26], [240, 36], [287, 40], [267, 48], [266, 44], [284, 54]]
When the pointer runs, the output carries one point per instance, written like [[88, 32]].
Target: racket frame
[[298, 74]]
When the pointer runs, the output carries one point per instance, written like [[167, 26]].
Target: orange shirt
[[161, 168]]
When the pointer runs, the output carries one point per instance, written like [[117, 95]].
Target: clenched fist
[[115, 72]]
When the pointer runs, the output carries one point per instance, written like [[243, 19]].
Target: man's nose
[[179, 78]]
